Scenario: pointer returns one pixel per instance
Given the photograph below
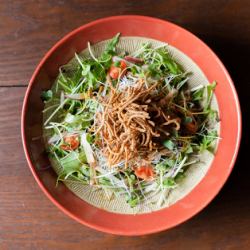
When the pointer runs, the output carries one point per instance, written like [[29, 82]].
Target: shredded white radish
[[62, 98], [87, 149], [79, 96]]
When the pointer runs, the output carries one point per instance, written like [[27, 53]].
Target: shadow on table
[[235, 57]]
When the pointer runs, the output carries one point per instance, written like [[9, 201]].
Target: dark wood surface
[[28, 220]]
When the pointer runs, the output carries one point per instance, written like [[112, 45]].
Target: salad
[[128, 124]]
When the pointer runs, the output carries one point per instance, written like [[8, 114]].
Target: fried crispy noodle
[[127, 126]]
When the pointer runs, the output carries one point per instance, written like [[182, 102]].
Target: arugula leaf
[[187, 119], [47, 95], [169, 183], [110, 48], [74, 166], [70, 77], [210, 89], [95, 71], [168, 62], [133, 200], [212, 115], [77, 121], [106, 57], [73, 161], [164, 165], [90, 138], [198, 94], [189, 149], [154, 71], [92, 71], [161, 63], [207, 140], [169, 144]]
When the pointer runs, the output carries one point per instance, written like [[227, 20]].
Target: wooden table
[[28, 220]]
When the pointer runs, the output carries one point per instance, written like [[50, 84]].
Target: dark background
[[28, 220]]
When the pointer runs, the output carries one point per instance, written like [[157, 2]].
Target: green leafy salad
[[129, 124]]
